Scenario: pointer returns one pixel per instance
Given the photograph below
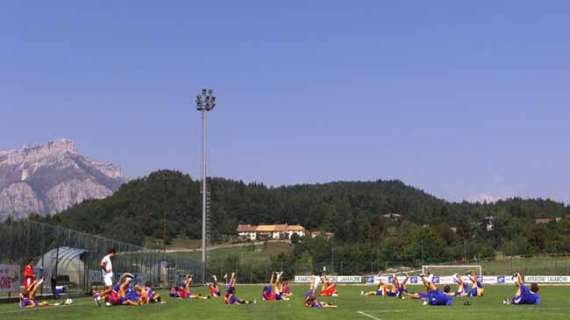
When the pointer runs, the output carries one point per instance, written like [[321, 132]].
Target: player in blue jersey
[[28, 296], [122, 293], [523, 294], [477, 289], [381, 290], [433, 296], [230, 296], [396, 289], [462, 290], [148, 294], [269, 292], [402, 288]]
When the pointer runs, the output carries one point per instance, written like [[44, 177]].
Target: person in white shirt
[[107, 273]]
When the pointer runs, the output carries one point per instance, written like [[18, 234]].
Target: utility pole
[[204, 103]]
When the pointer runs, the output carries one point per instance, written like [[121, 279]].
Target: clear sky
[[464, 99]]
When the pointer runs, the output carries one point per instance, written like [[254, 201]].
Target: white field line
[[368, 315], [383, 311]]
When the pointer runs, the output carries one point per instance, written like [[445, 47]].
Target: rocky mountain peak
[[51, 177]]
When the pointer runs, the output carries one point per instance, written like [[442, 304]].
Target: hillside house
[[546, 220], [269, 231], [318, 233]]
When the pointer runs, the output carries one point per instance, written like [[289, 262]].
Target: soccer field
[[556, 305]]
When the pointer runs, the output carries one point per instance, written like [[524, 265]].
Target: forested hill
[[352, 210], [137, 208]]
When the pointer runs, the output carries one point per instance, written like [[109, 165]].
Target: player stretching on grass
[[397, 289], [148, 294], [433, 296], [268, 293], [311, 301], [477, 289], [329, 287], [28, 297], [184, 291], [188, 289], [523, 294], [381, 290], [213, 287], [230, 296], [274, 290], [462, 290]]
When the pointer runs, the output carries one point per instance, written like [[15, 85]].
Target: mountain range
[[49, 178]]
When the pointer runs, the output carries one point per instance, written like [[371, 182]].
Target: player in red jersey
[[29, 276]]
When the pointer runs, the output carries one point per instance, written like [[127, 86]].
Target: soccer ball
[[68, 301]]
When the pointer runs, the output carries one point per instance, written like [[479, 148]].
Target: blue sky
[[464, 99]]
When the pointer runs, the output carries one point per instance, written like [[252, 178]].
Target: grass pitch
[[555, 305]]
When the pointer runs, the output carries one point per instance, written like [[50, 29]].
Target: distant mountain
[[50, 178]]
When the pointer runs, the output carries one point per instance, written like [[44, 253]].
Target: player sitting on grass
[[523, 294], [185, 291], [311, 301], [128, 295], [329, 287], [278, 287], [28, 297], [148, 294], [381, 290], [402, 288], [122, 293], [462, 290], [274, 290], [268, 293], [433, 296], [213, 287], [477, 289], [286, 290], [230, 296], [396, 289]]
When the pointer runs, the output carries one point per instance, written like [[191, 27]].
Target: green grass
[[539, 265], [556, 305], [248, 252]]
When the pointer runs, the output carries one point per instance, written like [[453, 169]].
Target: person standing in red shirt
[[29, 276]]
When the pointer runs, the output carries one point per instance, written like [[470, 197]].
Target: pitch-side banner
[[415, 280], [336, 279], [9, 278], [547, 279], [507, 280]]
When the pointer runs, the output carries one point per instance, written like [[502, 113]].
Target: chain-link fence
[[69, 259]]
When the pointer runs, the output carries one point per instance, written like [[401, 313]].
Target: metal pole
[[204, 103], [204, 189]]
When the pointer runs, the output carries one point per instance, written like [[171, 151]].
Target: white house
[[269, 231]]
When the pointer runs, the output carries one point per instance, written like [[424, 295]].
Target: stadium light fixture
[[205, 102]]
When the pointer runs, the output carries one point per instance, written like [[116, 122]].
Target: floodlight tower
[[204, 102]]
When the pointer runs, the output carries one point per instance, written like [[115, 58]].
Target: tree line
[[428, 229]]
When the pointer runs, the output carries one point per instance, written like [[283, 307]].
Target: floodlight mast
[[205, 102]]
